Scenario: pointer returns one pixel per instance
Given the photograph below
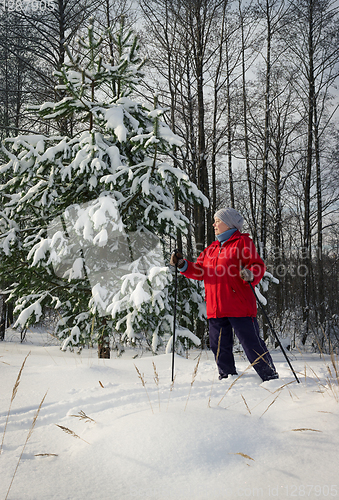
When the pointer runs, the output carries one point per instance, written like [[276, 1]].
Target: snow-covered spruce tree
[[85, 219]]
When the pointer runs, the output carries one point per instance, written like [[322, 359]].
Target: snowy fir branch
[[87, 216]]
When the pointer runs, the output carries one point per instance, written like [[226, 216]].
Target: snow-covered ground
[[203, 440]]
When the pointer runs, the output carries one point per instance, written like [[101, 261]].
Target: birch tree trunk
[[263, 225], [245, 125]]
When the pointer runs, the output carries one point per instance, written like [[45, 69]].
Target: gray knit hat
[[230, 217]]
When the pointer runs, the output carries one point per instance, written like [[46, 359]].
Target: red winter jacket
[[227, 294]]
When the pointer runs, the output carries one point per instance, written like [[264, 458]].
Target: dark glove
[[246, 274], [177, 259]]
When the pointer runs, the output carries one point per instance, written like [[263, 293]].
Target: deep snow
[[277, 439]]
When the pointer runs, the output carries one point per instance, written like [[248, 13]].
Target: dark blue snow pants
[[247, 331]]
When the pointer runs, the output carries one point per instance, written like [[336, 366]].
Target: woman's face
[[219, 226]]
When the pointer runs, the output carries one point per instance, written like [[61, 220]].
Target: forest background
[[250, 88]]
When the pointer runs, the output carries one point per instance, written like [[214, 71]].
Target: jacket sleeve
[[195, 270], [252, 260]]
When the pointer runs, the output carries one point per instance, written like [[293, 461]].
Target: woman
[[226, 267]]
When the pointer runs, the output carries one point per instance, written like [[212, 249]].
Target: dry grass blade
[[292, 395], [4, 362], [333, 376], [244, 400], [194, 376], [144, 385], [334, 361], [36, 418], [49, 354], [283, 386], [171, 389], [271, 403], [316, 376], [27, 439], [16, 385], [302, 429], [70, 432], [82, 416], [311, 369], [279, 389], [334, 358], [15, 390], [156, 376], [140, 376], [236, 380], [244, 455], [331, 387], [156, 380]]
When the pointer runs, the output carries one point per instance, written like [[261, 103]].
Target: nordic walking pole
[[174, 314], [274, 333]]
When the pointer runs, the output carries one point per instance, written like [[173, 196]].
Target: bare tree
[[273, 14], [39, 37], [313, 43], [247, 29], [187, 51]]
